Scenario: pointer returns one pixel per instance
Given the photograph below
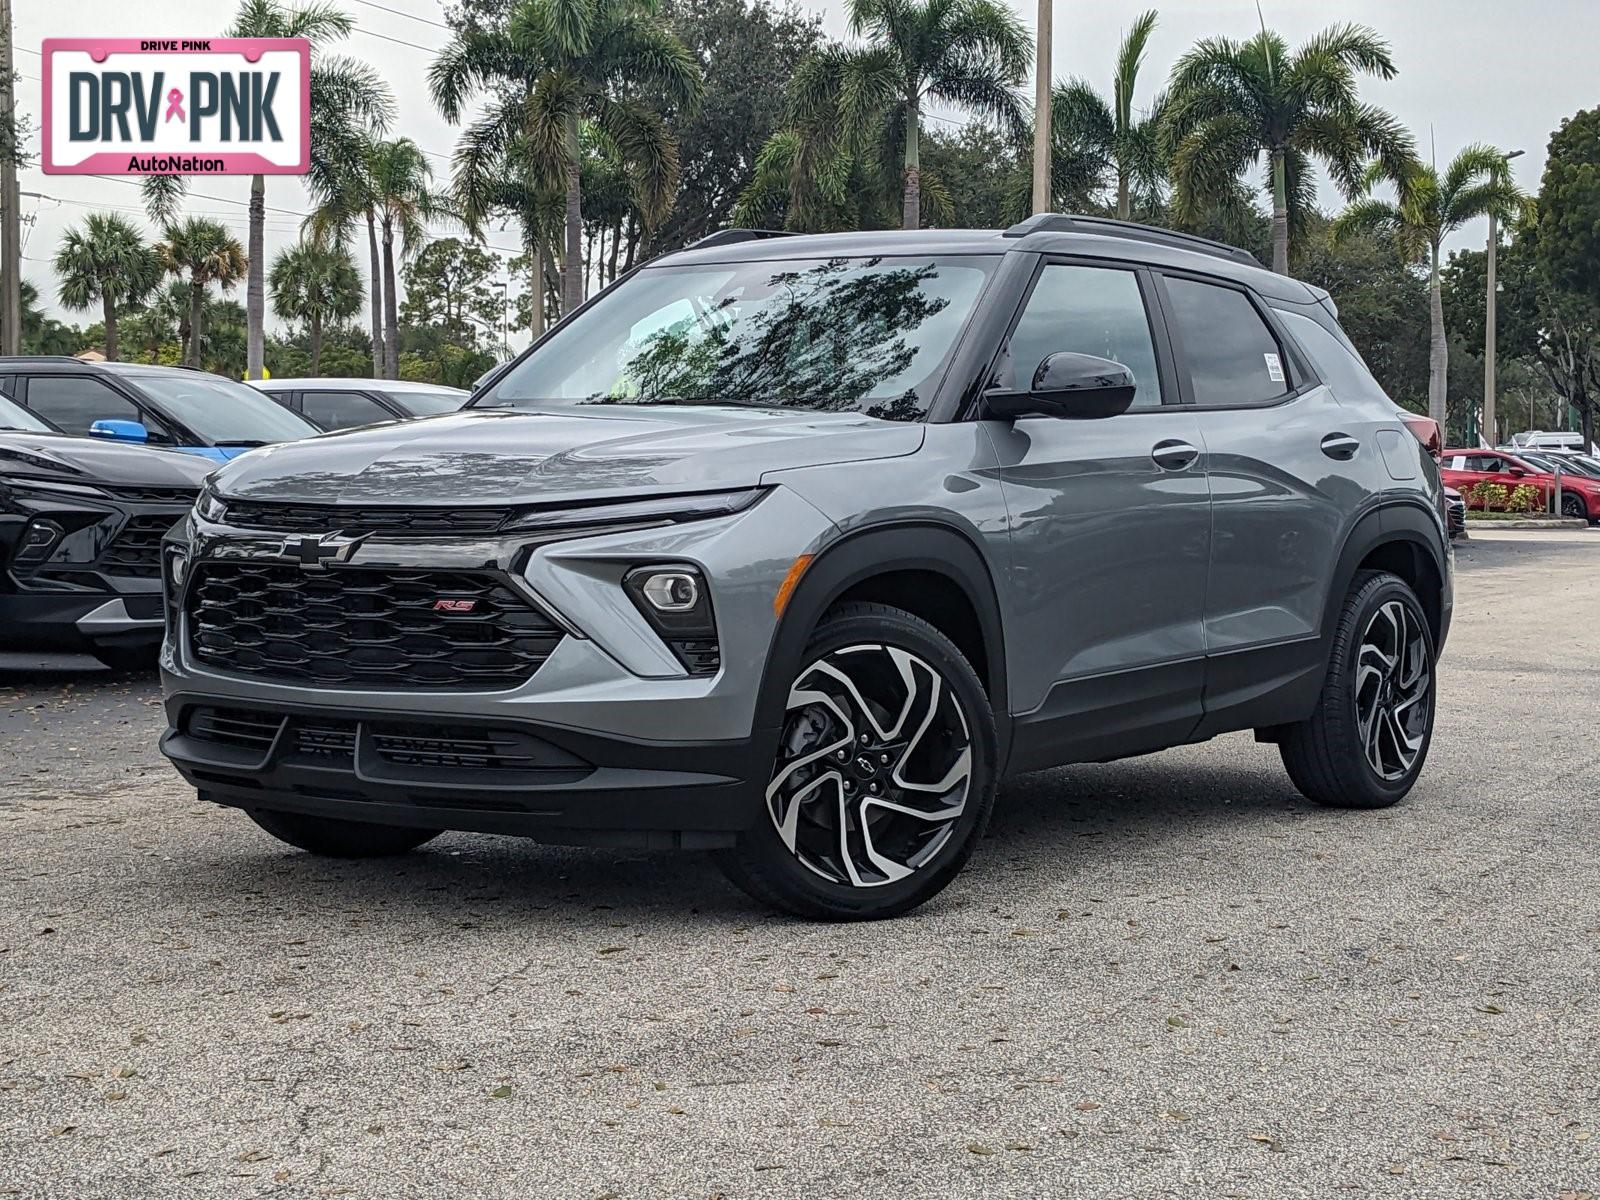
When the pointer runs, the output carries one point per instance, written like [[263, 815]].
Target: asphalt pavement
[[1165, 977]]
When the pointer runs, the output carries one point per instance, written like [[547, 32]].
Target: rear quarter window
[[1338, 364]]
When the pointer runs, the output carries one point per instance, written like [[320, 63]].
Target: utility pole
[[1041, 112], [10, 200], [1489, 431]]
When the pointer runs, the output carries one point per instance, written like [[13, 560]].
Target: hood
[[500, 456], [92, 460]]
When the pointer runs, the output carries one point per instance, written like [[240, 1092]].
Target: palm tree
[[403, 203], [344, 201], [970, 54], [1085, 127], [317, 286], [1231, 102], [1428, 208], [203, 252], [348, 99], [106, 261], [554, 66]]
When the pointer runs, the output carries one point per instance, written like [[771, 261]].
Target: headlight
[[664, 510], [209, 506]]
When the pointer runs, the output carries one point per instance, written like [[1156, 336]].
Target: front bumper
[[481, 775], [74, 621]]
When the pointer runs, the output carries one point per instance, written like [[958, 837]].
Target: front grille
[[462, 749], [136, 550], [396, 522], [365, 626], [144, 494], [243, 728]]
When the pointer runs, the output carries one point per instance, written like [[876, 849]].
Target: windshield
[[428, 404], [14, 416], [825, 335], [220, 411]]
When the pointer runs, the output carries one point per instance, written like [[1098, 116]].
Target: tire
[[340, 839], [1572, 505], [888, 861], [127, 660], [1327, 757]]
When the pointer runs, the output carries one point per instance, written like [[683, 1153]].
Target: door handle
[[1173, 455], [1341, 446]]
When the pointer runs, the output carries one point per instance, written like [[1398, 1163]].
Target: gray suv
[[791, 548]]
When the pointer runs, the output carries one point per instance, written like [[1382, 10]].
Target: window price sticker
[[1274, 368]]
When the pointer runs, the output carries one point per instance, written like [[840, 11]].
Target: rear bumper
[[78, 620], [550, 783]]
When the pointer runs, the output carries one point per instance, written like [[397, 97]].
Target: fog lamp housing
[[38, 540], [675, 600]]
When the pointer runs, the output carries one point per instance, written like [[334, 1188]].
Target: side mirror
[[1077, 387], [1517, 472], [117, 430]]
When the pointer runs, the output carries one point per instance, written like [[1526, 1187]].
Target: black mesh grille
[[136, 550], [145, 494], [320, 518], [366, 627], [240, 727]]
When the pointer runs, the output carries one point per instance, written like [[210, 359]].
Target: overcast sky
[[1470, 70]]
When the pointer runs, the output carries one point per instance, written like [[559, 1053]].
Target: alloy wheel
[[874, 767], [1393, 682]]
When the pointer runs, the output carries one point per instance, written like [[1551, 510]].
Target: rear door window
[[1233, 357]]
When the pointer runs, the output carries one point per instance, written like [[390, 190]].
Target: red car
[[1464, 469]]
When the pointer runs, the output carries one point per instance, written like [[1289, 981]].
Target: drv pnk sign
[[170, 106]]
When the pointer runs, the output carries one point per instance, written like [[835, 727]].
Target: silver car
[[792, 548]]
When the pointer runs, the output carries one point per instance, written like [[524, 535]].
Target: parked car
[[1466, 469], [792, 547], [1455, 513], [1570, 462], [169, 407], [81, 523], [1537, 439], [345, 403]]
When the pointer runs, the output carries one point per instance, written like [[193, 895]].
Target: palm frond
[[1130, 57]]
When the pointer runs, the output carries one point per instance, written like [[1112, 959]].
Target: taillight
[[1427, 432]]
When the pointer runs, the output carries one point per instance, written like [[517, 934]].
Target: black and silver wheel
[[884, 775], [1572, 505], [1365, 744], [339, 839]]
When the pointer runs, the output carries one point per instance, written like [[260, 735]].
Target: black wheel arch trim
[[1404, 520], [883, 548]]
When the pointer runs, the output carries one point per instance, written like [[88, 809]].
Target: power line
[[397, 41], [399, 13]]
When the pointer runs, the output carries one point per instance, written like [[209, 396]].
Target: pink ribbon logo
[[175, 105]]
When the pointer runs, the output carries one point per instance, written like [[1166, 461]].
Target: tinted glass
[[14, 416], [220, 411], [73, 404], [1232, 356], [427, 404], [1336, 362], [1087, 310], [843, 334], [341, 410]]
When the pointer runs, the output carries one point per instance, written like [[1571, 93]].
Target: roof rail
[[60, 359], [727, 237], [1109, 227]]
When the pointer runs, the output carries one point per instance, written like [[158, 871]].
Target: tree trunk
[[1124, 199], [197, 296], [536, 296], [316, 343], [109, 307], [616, 249], [633, 242], [255, 288], [391, 327], [1280, 214], [1438, 348], [376, 290], [911, 207], [572, 265]]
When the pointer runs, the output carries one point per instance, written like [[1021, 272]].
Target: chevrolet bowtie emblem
[[315, 553]]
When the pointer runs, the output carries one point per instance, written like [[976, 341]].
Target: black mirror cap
[[1078, 387]]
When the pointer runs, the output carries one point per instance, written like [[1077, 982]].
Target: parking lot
[[1162, 977]]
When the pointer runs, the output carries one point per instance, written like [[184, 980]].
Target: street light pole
[[1041, 112], [1488, 430]]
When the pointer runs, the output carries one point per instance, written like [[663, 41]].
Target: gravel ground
[[1162, 977]]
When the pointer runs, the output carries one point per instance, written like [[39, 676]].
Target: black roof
[[1050, 233]]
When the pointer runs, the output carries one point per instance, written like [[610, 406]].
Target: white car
[[345, 403], [1536, 439]]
